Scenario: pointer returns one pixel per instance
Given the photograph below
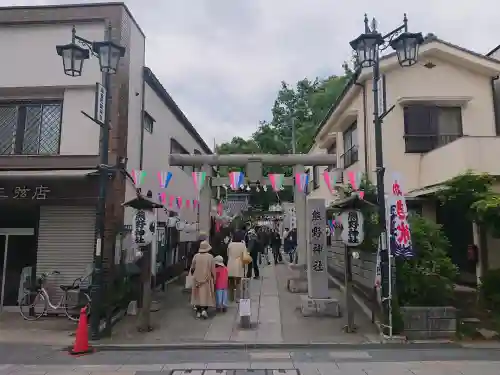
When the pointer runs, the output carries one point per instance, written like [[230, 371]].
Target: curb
[[278, 346]]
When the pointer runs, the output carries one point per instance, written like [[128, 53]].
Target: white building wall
[[32, 62], [137, 62], [156, 152]]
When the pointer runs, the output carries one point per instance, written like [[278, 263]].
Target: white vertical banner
[[100, 103]]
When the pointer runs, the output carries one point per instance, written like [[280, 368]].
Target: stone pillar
[[317, 301], [205, 202], [298, 282], [244, 307], [300, 210]]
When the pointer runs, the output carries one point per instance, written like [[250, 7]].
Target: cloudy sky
[[223, 60]]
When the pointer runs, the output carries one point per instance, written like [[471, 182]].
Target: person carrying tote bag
[[237, 255]]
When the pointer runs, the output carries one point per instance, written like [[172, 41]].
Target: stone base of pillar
[[320, 307], [298, 282], [297, 285]]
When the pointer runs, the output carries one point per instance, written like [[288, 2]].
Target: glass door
[[18, 253]]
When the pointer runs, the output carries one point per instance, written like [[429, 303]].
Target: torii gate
[[253, 163]]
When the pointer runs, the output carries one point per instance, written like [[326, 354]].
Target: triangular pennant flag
[[171, 201], [351, 178], [138, 177], [188, 203], [302, 180], [164, 179], [361, 194], [276, 180], [330, 180], [236, 179], [179, 202], [195, 203], [199, 180]]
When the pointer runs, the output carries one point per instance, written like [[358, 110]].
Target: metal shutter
[[66, 239]]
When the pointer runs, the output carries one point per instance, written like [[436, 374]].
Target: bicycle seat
[[65, 288]]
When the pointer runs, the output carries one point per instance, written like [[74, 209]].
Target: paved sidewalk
[[49, 330], [274, 310]]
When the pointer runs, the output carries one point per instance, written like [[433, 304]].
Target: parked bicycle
[[36, 301]]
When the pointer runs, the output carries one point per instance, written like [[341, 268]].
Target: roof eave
[[162, 93]]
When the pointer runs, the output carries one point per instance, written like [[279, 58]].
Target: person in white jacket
[[235, 266]]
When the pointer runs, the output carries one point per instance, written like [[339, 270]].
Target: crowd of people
[[219, 265]]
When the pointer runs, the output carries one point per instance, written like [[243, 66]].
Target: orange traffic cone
[[82, 346]]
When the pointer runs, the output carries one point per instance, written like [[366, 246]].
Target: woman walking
[[235, 252], [203, 289]]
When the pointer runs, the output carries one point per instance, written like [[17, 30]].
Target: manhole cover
[[236, 372]]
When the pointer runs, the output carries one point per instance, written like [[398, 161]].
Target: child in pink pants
[[221, 284]]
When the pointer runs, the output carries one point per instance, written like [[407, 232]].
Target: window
[[30, 129], [428, 127], [350, 138], [148, 122]]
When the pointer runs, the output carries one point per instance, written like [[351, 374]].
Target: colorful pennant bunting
[[171, 201], [276, 180], [236, 179], [330, 180], [354, 178], [302, 181], [199, 180], [179, 202], [138, 177], [164, 179]]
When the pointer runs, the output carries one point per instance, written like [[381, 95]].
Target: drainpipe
[[494, 96], [365, 128], [143, 103]]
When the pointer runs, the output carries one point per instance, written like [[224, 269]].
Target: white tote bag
[[189, 281]]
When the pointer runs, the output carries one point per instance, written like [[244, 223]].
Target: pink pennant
[[361, 194], [188, 203], [171, 201], [352, 179], [195, 203], [179, 202]]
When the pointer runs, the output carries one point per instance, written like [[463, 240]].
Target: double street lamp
[[367, 48], [74, 55]]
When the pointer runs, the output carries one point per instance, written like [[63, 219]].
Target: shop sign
[[25, 192]]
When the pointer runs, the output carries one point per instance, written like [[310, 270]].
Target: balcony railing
[[30, 129], [421, 143], [349, 157]]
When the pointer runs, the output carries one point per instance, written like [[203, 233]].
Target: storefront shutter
[[66, 240]]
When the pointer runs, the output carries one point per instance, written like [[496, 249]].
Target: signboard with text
[[316, 270], [353, 231], [38, 191]]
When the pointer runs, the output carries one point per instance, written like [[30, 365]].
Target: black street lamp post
[[367, 47], [109, 54]]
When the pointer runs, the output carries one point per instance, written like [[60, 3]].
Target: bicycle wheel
[[32, 305], [73, 312]]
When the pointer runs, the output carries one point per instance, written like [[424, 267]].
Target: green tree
[[305, 105]]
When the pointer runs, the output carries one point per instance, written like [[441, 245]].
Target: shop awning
[[48, 174]]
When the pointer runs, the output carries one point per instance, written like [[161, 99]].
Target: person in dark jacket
[[253, 246], [276, 246]]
